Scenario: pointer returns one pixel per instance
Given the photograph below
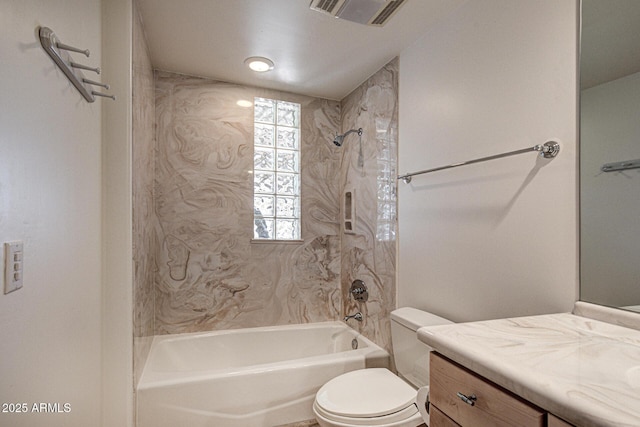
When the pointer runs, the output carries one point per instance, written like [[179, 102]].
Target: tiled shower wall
[[143, 215], [209, 275], [369, 171]]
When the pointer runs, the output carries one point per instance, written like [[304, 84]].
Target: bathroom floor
[[313, 423], [308, 423]]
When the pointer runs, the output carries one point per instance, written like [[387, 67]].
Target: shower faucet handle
[[359, 291]]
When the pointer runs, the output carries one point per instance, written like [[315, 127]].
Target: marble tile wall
[[369, 254], [210, 275], [144, 219]]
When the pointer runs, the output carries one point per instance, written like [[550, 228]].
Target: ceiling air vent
[[368, 12], [387, 12], [327, 6]]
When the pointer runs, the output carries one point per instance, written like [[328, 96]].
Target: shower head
[[339, 139]]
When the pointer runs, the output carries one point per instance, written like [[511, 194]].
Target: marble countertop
[[582, 370]]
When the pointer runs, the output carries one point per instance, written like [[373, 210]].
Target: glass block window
[[276, 170]]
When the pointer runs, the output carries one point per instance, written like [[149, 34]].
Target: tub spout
[[357, 316]]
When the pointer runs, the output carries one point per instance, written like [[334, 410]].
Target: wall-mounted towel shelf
[[548, 150], [620, 166], [59, 52]]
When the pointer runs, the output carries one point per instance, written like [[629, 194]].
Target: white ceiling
[[610, 40], [314, 54]]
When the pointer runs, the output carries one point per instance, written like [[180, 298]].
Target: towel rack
[[58, 51], [620, 166], [547, 150]]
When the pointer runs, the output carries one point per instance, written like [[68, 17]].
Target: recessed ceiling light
[[244, 103], [259, 64]]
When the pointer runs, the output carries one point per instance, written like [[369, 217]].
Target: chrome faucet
[[357, 316]]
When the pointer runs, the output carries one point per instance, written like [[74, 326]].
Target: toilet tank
[[412, 355]]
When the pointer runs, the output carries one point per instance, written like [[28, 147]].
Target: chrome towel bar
[[620, 166], [58, 52], [547, 150]]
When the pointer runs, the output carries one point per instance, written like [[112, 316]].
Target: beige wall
[[50, 198], [610, 201], [117, 293], [499, 238]]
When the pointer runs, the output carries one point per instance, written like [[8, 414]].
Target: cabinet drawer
[[492, 406]]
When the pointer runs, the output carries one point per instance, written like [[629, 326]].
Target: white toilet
[[376, 396]]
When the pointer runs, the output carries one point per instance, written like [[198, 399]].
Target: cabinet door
[[553, 421], [471, 400], [438, 419]]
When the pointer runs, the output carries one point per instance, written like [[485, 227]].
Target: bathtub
[[257, 377]]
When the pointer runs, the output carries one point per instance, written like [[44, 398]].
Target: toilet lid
[[365, 393]]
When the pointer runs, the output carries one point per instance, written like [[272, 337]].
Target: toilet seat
[[408, 417], [371, 397]]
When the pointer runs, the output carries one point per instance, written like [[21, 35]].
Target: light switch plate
[[13, 260]]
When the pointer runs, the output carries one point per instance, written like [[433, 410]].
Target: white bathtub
[[258, 377]]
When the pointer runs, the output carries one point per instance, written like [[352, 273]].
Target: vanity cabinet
[[460, 397], [553, 421]]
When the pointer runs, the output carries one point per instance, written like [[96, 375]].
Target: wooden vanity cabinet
[[553, 421], [460, 397], [439, 419]]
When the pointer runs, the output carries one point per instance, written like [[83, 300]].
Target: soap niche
[[349, 209]]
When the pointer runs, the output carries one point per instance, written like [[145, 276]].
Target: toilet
[[376, 396]]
